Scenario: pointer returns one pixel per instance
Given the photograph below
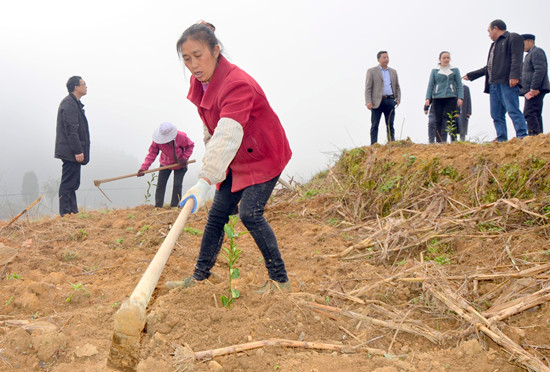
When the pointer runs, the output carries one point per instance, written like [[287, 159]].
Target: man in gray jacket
[[72, 143], [382, 96], [535, 84]]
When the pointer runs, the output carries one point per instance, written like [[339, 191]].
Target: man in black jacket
[[502, 79], [534, 84], [72, 143]]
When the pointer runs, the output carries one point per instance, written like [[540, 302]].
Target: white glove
[[197, 193]]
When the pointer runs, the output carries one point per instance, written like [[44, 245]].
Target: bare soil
[[63, 279]]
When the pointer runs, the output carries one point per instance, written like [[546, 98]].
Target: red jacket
[[233, 94], [184, 148]]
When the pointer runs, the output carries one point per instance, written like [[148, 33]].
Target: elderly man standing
[[465, 112], [72, 143], [502, 74], [534, 84], [382, 96]]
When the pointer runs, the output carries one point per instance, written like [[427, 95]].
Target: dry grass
[[421, 220]]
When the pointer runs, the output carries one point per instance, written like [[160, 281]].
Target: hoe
[[130, 318], [99, 182]]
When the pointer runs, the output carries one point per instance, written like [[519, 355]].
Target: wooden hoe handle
[[99, 182]]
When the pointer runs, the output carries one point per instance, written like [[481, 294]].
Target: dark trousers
[[532, 110], [251, 212], [463, 126], [387, 107], [443, 107], [70, 182], [176, 188], [432, 132]]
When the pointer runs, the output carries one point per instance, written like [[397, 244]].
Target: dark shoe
[[185, 283], [272, 285]]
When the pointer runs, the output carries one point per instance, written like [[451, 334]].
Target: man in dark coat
[[502, 79], [465, 111], [534, 84], [72, 143]]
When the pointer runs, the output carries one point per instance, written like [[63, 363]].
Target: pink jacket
[[184, 148]]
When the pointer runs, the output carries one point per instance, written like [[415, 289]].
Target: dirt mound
[[402, 258]]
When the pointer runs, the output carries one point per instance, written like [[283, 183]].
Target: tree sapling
[[232, 255]]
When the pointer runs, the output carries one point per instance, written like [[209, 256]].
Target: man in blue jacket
[[72, 143], [534, 84], [502, 79]]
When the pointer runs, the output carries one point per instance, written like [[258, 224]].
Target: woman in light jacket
[[446, 93], [246, 151]]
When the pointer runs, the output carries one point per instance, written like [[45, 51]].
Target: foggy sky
[[310, 57]]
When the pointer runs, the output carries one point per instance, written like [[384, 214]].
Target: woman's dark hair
[[203, 32], [73, 82], [443, 52]]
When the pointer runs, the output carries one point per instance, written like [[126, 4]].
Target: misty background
[[310, 57]]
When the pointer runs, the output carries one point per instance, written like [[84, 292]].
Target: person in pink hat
[[175, 148]]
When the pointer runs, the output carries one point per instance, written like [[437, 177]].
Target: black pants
[[70, 182], [463, 127], [252, 204], [176, 189], [387, 107], [432, 132], [532, 110], [443, 107]]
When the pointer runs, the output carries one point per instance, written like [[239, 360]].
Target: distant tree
[[29, 188], [50, 189]]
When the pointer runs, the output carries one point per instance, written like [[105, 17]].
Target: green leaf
[[235, 273], [235, 293], [224, 300], [229, 231]]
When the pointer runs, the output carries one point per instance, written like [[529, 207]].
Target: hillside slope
[[405, 257]]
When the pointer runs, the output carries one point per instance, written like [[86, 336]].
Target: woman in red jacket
[[175, 148], [246, 151]]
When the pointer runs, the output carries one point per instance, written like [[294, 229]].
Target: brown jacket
[[374, 86]]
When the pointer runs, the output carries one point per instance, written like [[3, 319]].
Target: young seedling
[[76, 288], [149, 185], [232, 255], [143, 229], [13, 276], [451, 124], [69, 255], [79, 235], [35, 315], [192, 231], [438, 252]]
